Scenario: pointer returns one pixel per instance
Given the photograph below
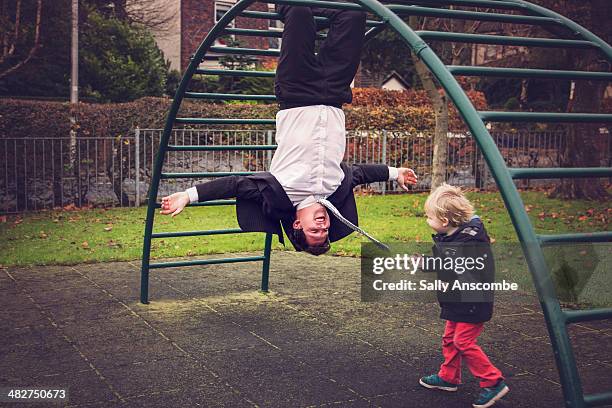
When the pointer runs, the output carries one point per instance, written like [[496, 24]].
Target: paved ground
[[209, 339]]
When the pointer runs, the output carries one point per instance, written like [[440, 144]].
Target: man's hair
[[449, 202], [300, 243]]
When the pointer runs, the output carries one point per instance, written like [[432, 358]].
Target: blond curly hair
[[448, 203]]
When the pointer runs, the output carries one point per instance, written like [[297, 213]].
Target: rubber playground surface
[[210, 339]]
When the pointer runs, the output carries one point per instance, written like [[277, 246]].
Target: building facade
[[190, 22]]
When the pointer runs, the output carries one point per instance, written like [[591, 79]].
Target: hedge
[[371, 109]]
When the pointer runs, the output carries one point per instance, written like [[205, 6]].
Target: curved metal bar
[[159, 160], [555, 320], [564, 356]]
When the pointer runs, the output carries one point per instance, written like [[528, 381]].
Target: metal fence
[[41, 172]]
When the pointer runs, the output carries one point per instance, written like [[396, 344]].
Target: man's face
[[314, 220]]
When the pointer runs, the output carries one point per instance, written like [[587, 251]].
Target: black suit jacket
[[263, 206]]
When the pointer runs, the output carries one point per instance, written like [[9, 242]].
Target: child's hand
[[406, 176], [174, 204]]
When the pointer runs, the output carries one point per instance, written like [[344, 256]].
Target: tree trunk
[[440, 105], [583, 148], [440, 139]]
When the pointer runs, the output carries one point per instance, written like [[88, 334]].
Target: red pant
[[459, 342]]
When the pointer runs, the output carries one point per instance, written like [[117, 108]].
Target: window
[[274, 43], [222, 7]]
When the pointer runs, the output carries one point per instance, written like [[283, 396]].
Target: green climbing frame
[[389, 17]]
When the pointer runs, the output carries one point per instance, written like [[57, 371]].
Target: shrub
[[371, 109], [120, 62]]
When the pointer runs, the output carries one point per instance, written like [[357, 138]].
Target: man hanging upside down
[[307, 175]]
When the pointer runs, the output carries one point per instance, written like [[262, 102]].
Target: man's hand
[[174, 204], [406, 176]]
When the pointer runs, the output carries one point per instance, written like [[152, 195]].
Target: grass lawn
[[100, 235]]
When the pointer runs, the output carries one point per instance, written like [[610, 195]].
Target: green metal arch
[[556, 319]]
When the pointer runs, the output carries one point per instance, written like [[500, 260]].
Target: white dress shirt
[[311, 142]]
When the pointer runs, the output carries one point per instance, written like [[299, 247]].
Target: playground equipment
[[388, 17]]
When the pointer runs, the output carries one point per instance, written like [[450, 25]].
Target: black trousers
[[303, 78]]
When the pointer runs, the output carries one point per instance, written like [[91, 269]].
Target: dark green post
[[265, 272]]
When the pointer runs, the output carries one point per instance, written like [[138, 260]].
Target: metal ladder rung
[[527, 73], [208, 121], [236, 97], [577, 316], [217, 148], [276, 16], [261, 33], [205, 262], [498, 116], [504, 40], [596, 400], [553, 172], [470, 15], [206, 203], [605, 236], [205, 174], [319, 3], [244, 51], [236, 72], [196, 233], [500, 4], [253, 32]]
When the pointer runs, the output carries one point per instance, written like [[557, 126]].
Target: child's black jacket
[[469, 240]]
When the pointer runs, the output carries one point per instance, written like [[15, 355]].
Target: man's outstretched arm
[[223, 187], [371, 173]]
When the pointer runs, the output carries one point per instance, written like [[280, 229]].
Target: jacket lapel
[[265, 216]]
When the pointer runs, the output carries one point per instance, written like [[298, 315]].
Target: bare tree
[[13, 40], [156, 15], [437, 97]]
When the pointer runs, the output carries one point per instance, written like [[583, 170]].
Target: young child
[[451, 216]]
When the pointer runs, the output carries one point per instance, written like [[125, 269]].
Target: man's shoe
[[490, 395], [435, 382]]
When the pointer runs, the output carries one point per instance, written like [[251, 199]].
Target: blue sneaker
[[489, 396], [435, 382]]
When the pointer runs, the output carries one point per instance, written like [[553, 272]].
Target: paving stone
[[156, 376], [209, 338], [211, 395], [274, 379]]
